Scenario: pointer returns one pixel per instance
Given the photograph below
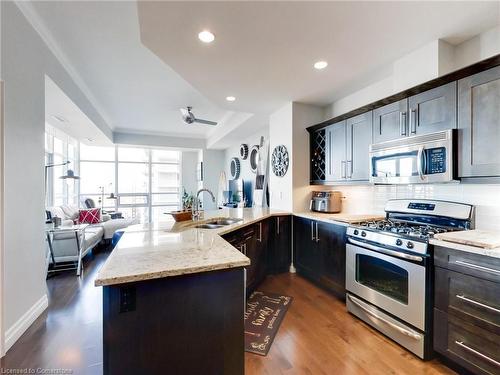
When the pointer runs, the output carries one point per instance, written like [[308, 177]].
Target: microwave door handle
[[420, 163]]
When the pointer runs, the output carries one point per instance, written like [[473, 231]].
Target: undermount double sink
[[217, 223]]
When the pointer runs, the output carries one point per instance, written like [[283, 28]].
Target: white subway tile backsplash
[[371, 199]]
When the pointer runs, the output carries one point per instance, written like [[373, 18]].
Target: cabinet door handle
[[476, 267], [413, 121], [277, 225], [479, 354], [402, 123], [244, 248], [260, 233], [471, 301], [350, 168], [312, 231], [343, 171], [317, 234]]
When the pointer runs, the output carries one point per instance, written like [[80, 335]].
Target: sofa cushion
[[71, 212], [111, 226], [90, 216], [57, 211]]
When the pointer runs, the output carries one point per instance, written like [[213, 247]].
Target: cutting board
[[479, 238]]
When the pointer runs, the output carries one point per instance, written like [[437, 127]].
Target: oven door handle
[[406, 332], [397, 254]]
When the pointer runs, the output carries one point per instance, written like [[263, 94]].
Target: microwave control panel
[[435, 160]]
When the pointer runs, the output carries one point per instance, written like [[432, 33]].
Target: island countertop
[[157, 250]]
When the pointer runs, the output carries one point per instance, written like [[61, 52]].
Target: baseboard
[[16, 331]]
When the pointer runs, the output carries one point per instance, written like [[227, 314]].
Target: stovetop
[[405, 229]]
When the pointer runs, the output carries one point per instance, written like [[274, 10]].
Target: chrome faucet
[[196, 213]]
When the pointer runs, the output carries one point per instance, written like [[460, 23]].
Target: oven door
[[390, 283], [419, 159]]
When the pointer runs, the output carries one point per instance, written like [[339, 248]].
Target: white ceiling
[[62, 113], [137, 90], [263, 54], [264, 51]]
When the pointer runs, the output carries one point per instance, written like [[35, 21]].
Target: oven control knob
[[399, 242], [363, 234], [356, 232], [409, 245]]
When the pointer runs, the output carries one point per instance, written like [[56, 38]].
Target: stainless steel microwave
[[427, 158]]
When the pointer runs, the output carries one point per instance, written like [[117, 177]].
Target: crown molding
[[37, 23]]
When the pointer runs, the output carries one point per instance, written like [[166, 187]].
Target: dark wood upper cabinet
[[479, 124], [358, 139], [318, 144], [336, 152], [433, 110], [390, 121]]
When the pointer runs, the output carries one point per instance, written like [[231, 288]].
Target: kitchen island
[[173, 298]]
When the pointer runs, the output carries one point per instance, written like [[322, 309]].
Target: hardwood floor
[[317, 335]]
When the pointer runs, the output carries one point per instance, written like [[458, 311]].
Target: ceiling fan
[[189, 118]]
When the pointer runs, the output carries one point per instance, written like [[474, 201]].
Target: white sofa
[[64, 244]]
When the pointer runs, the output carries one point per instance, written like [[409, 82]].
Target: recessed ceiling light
[[320, 65], [206, 36], [230, 98]]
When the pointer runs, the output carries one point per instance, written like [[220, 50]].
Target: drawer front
[[477, 265], [474, 348], [470, 298]]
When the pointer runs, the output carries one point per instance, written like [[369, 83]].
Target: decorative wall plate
[[244, 151], [254, 158], [235, 168], [280, 160]]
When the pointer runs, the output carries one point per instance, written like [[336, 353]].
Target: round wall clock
[[234, 168], [280, 160], [254, 158], [244, 151]]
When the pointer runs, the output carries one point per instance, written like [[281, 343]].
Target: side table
[[79, 232]]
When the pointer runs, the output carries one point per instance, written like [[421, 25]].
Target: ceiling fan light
[[230, 98]]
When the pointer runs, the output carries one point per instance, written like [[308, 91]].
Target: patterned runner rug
[[263, 316]]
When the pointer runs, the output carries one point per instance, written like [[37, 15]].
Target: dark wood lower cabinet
[[467, 309], [319, 252], [268, 245], [280, 244], [190, 324]]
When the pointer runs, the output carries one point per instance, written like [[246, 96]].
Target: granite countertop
[[157, 250], [343, 219]]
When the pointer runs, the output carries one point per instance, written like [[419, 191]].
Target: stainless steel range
[[389, 268]]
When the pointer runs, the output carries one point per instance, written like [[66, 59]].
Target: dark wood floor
[[317, 335]]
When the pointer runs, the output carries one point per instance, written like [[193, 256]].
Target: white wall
[[26, 60], [287, 127], [304, 115], [281, 133], [246, 173], [188, 172], [213, 165]]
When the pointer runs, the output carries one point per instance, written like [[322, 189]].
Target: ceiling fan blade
[[206, 122]]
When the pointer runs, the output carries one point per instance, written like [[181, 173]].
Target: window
[[146, 182]]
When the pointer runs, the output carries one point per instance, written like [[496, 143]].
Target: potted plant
[[187, 205]]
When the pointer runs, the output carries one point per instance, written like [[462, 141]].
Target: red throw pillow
[[90, 216]]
